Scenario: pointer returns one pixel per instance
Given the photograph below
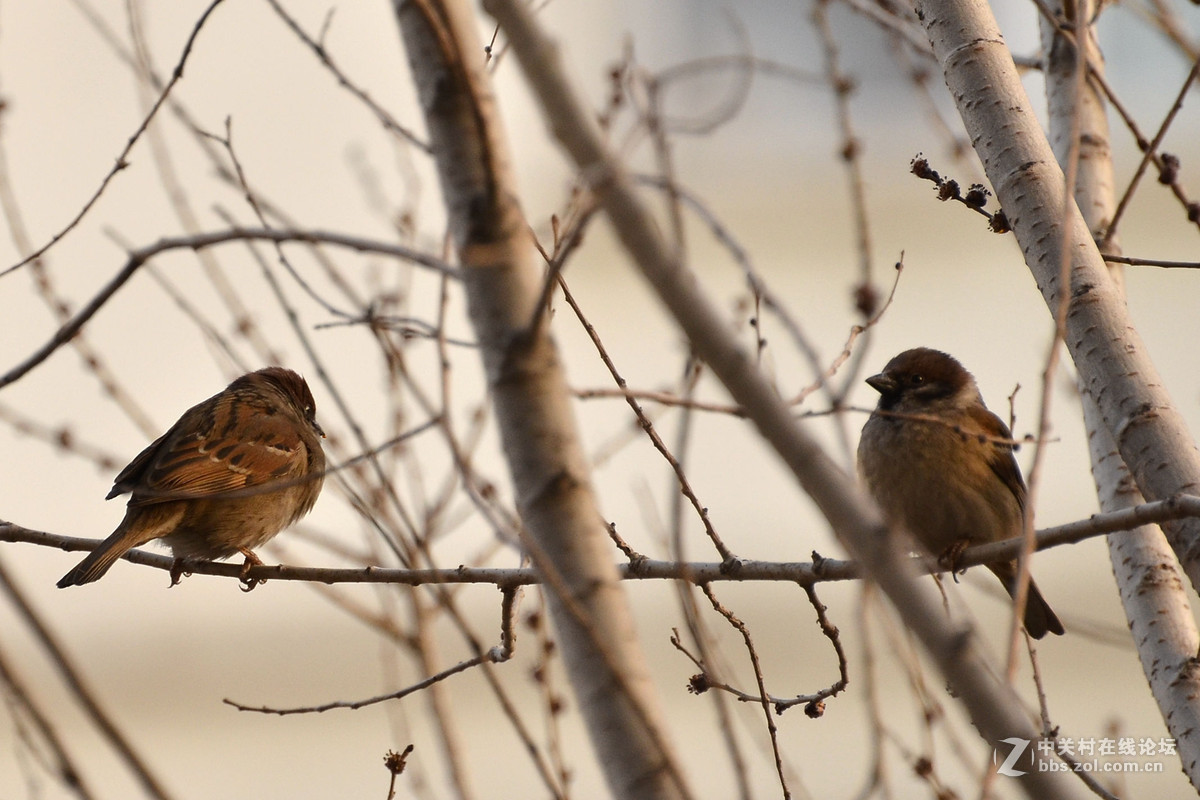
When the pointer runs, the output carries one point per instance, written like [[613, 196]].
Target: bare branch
[[138, 258], [122, 159], [819, 570]]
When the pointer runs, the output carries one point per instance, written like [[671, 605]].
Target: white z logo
[[1018, 747]]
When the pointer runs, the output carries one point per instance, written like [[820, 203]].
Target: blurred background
[[762, 149]]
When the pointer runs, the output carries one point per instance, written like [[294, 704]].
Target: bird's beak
[[882, 383], [317, 428]]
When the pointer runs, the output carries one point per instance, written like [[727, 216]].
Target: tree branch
[[804, 573], [138, 258]]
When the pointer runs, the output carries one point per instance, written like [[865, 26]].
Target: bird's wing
[[231, 445], [1003, 462], [129, 477]]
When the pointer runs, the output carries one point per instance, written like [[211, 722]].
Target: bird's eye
[[917, 380]]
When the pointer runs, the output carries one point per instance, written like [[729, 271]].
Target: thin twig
[[139, 257], [322, 53], [752, 652], [498, 654], [1149, 154], [656, 440], [122, 159], [1150, 262], [462, 666]]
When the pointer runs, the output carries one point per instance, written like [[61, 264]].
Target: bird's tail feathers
[[121, 541], [1040, 619]]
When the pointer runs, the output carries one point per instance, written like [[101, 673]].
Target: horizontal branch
[[805, 573], [354, 705], [1150, 262], [199, 241], [137, 258]]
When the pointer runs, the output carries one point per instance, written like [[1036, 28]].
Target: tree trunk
[[1113, 363], [565, 534], [1151, 588]]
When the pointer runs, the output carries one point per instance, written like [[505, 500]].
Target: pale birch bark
[[1151, 589], [566, 536], [992, 705], [1113, 364]]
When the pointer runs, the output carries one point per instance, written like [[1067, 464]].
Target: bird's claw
[[178, 570], [951, 557], [251, 562]]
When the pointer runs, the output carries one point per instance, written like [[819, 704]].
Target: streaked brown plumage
[[204, 486], [946, 478]]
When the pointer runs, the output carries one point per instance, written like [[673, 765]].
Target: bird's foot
[[178, 570], [252, 561], [951, 557]]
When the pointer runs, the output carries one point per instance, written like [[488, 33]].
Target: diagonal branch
[[993, 707]]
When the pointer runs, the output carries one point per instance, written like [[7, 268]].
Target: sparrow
[[941, 466], [206, 486]]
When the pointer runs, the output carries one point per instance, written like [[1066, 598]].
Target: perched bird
[[205, 486], [941, 465]]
